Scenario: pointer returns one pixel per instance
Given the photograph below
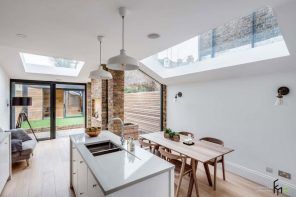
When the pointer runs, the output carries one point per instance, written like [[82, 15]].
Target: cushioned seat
[[28, 147]]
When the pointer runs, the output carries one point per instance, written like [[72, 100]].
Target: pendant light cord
[[100, 53], [122, 32]]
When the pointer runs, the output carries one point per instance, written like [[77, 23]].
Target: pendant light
[[100, 73], [122, 61]]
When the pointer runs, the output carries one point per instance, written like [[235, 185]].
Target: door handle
[[95, 185]]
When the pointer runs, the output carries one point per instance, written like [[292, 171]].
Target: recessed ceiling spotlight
[[21, 35], [153, 36]]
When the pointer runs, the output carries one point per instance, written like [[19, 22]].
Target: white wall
[[4, 98], [241, 112]]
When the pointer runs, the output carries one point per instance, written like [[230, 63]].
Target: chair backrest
[[213, 140], [186, 133], [145, 144], [170, 156]]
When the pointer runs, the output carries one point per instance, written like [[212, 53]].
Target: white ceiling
[[68, 29]]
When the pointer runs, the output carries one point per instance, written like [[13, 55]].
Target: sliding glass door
[[37, 113], [70, 109], [54, 108]]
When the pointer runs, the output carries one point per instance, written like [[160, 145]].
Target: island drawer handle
[[74, 172], [95, 185], [81, 161], [81, 193]]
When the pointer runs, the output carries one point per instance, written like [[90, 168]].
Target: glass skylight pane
[[50, 65], [236, 42], [180, 55]]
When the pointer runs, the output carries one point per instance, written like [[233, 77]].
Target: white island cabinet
[[119, 173]]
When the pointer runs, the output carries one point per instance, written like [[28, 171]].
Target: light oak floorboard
[[48, 176]]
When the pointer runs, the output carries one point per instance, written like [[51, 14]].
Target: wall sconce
[[282, 91], [178, 95]]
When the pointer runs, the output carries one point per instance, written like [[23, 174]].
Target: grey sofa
[[26, 151]]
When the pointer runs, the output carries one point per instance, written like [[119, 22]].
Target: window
[[246, 39], [50, 65]]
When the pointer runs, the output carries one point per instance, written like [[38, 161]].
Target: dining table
[[200, 151]]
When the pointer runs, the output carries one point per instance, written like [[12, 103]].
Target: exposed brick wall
[[96, 96], [111, 93], [116, 99], [104, 104], [258, 26], [88, 104]]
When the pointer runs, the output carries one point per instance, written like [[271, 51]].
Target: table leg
[[194, 176], [193, 179], [215, 173], [190, 188], [206, 166]]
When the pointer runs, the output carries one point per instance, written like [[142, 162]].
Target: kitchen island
[[100, 166]]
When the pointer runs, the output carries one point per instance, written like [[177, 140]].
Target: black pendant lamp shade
[[21, 101]]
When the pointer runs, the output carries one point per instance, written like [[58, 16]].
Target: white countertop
[[115, 171]]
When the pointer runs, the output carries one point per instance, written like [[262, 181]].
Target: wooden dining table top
[[201, 151]]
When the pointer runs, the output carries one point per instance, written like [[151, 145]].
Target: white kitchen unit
[[101, 167], [5, 159]]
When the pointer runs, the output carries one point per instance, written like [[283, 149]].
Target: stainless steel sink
[[101, 148]]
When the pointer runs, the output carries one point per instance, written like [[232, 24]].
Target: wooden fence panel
[[143, 108]]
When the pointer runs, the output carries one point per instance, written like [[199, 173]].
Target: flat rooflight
[[50, 65]]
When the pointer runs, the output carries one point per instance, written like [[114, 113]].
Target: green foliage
[[140, 87], [171, 132], [59, 122], [168, 130]]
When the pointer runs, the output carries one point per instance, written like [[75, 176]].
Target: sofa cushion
[[28, 147], [19, 134], [16, 145]]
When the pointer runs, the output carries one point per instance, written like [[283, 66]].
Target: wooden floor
[[48, 176]]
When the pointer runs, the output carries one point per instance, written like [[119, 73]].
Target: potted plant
[[167, 132], [174, 136]]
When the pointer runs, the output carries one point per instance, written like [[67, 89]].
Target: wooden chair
[[186, 133], [181, 167], [146, 144], [212, 162]]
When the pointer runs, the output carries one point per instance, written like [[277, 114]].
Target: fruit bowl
[[93, 131]]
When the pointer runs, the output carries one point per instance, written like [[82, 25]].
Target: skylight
[[247, 39], [50, 65]]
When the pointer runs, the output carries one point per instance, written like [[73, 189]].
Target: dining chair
[[181, 167], [212, 162], [186, 133], [146, 144]]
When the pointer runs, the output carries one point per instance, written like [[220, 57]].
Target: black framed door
[[42, 114]]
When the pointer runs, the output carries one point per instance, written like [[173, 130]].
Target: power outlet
[[269, 170], [284, 174]]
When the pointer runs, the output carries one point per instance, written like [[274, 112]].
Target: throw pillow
[[19, 134]]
